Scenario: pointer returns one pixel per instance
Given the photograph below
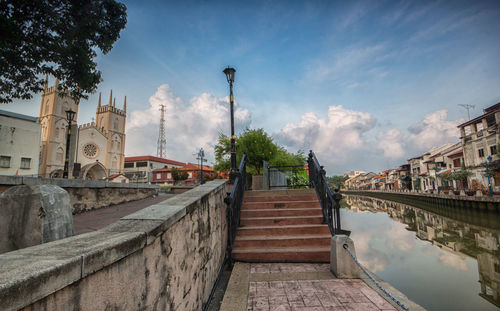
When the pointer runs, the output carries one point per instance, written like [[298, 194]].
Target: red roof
[[423, 174], [155, 159], [455, 153], [115, 175], [444, 172], [186, 167]]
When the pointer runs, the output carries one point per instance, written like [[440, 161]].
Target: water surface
[[440, 262]]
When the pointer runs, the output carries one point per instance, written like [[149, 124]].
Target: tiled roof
[[155, 159]]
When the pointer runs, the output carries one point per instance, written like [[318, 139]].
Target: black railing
[[234, 200], [329, 199]]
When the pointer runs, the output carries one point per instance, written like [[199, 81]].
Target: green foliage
[[178, 175], [299, 180], [57, 37], [259, 147], [222, 153], [462, 174], [498, 150], [337, 181]]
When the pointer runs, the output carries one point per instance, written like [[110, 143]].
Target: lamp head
[[229, 74], [70, 115]]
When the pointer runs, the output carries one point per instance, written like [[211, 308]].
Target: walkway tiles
[[303, 287]]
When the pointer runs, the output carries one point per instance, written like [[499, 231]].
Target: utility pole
[[468, 107], [161, 149]]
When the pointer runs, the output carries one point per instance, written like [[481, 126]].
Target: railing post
[[337, 196]]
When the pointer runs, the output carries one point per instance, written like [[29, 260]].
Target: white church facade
[[96, 149]]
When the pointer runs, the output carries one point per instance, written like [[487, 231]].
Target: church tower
[[54, 125], [111, 120]]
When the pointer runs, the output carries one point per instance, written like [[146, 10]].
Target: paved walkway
[[299, 287], [98, 219]]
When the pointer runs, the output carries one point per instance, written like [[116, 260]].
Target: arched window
[[116, 124], [58, 132], [114, 163]]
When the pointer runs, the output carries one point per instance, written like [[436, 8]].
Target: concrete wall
[[164, 257], [87, 195]]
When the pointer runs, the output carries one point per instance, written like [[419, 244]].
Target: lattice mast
[[161, 149]]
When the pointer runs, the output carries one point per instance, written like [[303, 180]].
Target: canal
[[442, 262]]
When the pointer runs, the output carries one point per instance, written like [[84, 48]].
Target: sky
[[364, 84]]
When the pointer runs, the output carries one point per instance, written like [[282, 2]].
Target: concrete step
[[280, 221], [247, 213], [259, 193], [281, 205], [264, 241], [283, 230], [284, 254], [282, 198]]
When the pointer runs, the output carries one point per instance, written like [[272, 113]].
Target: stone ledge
[[30, 274], [70, 183]]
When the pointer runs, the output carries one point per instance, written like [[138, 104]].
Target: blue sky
[[366, 84]]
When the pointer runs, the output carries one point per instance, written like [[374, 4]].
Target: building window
[[90, 150], [190, 174], [116, 124], [481, 153], [169, 176], [4, 161], [493, 150], [141, 164], [26, 163], [496, 267], [158, 175], [128, 164], [456, 163], [490, 120]]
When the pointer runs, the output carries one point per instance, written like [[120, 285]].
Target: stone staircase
[[282, 225]]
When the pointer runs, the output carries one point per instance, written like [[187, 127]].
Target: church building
[[96, 149]]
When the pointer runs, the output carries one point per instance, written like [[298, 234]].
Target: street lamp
[[70, 115], [488, 174], [201, 157], [230, 79]]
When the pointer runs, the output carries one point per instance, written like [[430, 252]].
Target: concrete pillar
[[341, 263], [32, 215]]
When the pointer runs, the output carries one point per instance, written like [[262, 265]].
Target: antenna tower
[[468, 107], [161, 149]]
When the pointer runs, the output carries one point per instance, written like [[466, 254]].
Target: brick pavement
[[297, 288]]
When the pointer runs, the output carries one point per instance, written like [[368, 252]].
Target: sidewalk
[[100, 218], [301, 287]]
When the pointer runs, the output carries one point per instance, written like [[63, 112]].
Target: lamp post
[[201, 157], [70, 115], [230, 79], [488, 174]]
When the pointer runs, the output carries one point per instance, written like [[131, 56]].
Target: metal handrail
[[234, 200], [329, 199]]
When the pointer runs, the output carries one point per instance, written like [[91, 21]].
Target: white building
[[19, 144]]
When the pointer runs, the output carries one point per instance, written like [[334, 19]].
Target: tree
[[337, 181], [179, 175], [57, 37], [258, 147]]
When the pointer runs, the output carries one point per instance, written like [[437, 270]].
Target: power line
[[161, 149]]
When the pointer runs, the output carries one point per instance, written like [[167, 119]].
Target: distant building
[[354, 173], [140, 168], [480, 138], [96, 148], [165, 176], [19, 144]]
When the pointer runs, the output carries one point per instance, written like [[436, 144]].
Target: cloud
[[391, 142], [448, 259], [188, 126], [434, 130], [337, 136], [347, 139]]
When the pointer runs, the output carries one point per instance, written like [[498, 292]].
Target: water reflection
[[435, 260]]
